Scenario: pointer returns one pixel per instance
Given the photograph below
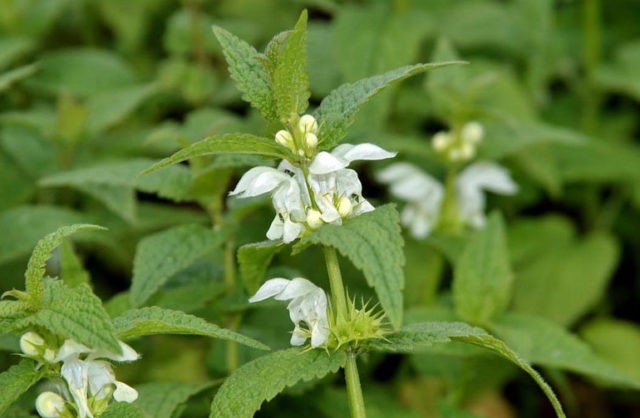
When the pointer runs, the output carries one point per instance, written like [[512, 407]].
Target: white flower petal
[[128, 354], [296, 288], [269, 289], [99, 375], [325, 163], [71, 348], [297, 337], [364, 151], [319, 334], [258, 181], [124, 393], [291, 231], [487, 176], [276, 229]]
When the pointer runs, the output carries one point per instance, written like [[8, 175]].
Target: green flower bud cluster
[[460, 145]]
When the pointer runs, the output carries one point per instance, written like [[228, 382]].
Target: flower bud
[[308, 124], [49, 355], [311, 140], [284, 138], [467, 151], [30, 343], [345, 207], [314, 219], [455, 155], [50, 405], [472, 133], [441, 141]]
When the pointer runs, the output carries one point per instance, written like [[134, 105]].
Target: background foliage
[[93, 92]]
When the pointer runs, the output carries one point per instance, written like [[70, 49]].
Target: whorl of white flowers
[[325, 191], [459, 146], [90, 380], [308, 306], [425, 195]]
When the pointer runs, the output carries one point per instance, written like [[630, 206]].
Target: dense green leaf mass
[[224, 144], [17, 380], [262, 379], [337, 111], [373, 242], [254, 260], [123, 410], [482, 277], [161, 399], [160, 256], [154, 320]]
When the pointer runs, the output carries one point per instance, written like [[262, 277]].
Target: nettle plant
[[69, 339]]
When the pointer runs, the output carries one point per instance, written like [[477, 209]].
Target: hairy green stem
[[335, 280], [354, 390]]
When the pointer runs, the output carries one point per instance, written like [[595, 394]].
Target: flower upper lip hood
[[308, 304], [344, 154]]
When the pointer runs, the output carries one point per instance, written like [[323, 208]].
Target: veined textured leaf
[[24, 226], [161, 399], [290, 81], [160, 256], [224, 144], [123, 410], [373, 242], [37, 263], [251, 77], [262, 379], [75, 313], [154, 320], [482, 278], [17, 380], [173, 183], [547, 344], [254, 260], [337, 111]]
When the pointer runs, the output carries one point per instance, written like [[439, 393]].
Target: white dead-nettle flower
[[308, 305], [329, 192], [89, 376], [424, 194]]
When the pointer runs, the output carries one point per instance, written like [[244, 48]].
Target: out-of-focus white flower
[[308, 305], [89, 377], [461, 146], [422, 192], [471, 184], [425, 195], [50, 405]]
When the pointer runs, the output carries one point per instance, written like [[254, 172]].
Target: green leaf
[[224, 144], [546, 285], [337, 111], [616, 341], [160, 256], [111, 107], [123, 410], [547, 344], [482, 278], [76, 71], [72, 272], [245, 68], [373, 242], [254, 260], [75, 313], [38, 261], [12, 48], [290, 81], [173, 183], [161, 399], [15, 75], [262, 379], [415, 337], [17, 380], [14, 309], [154, 320], [23, 226]]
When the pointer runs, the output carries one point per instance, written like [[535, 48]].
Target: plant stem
[[591, 60], [335, 280], [354, 390]]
